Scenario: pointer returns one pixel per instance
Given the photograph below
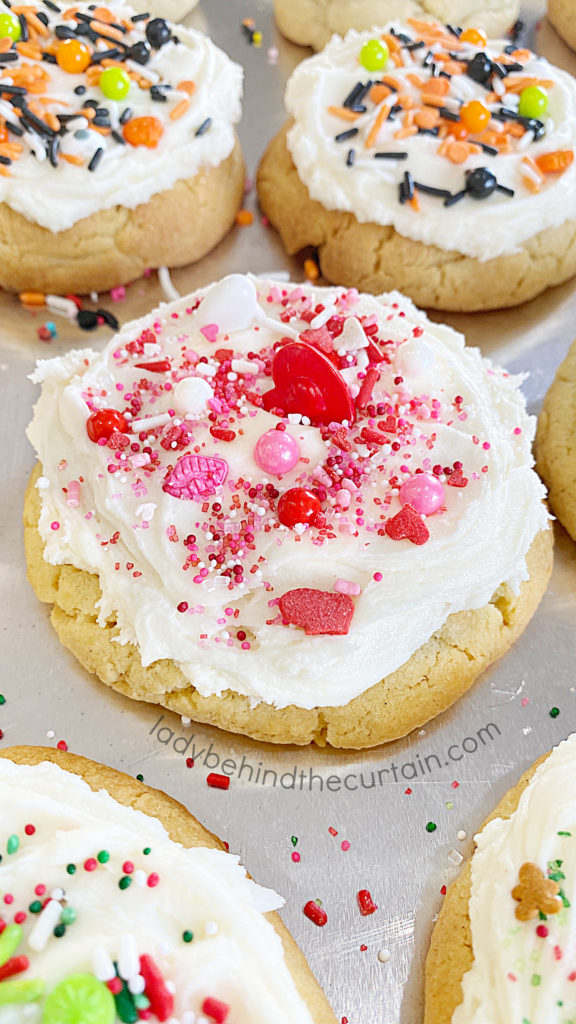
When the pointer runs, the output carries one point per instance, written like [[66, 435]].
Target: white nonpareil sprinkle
[[128, 959], [102, 966], [206, 370], [44, 926], [384, 956], [148, 422], [245, 366], [211, 928]]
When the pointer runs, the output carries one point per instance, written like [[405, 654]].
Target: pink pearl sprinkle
[[276, 452], [542, 931], [347, 587], [40, 890], [55, 526], [8, 899], [377, 576], [345, 845], [425, 493], [153, 880], [296, 857], [245, 646]]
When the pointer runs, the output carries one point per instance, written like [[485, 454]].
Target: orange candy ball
[[144, 131], [475, 116], [474, 36], [73, 56]]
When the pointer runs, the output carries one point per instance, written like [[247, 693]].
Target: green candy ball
[[115, 83], [374, 55], [10, 27], [533, 102]]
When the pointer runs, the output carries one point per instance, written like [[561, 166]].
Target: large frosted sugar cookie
[[297, 513], [119, 906], [437, 163], [561, 14], [556, 443], [313, 22], [502, 949], [117, 147]]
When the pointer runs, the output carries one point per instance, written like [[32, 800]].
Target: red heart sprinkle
[[407, 525], [389, 424], [317, 611], [456, 479], [195, 476], [307, 382]]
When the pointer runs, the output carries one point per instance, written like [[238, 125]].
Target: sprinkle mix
[[312, 438], [428, 76], [125, 985], [70, 78], [457, 142]]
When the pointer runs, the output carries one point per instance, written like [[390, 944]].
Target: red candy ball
[[299, 505], [103, 423]]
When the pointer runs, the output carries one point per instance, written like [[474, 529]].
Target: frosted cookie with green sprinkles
[[503, 948], [117, 906]]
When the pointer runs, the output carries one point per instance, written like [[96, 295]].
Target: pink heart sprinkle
[[210, 332], [195, 476]]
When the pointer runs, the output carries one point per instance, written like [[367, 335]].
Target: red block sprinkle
[[159, 366], [407, 525], [365, 393], [366, 903], [216, 1009], [317, 611], [315, 913], [218, 781], [14, 966], [161, 999]]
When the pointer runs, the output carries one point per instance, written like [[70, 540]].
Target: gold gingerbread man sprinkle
[[535, 893]]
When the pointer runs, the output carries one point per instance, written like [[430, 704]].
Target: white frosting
[[518, 975], [483, 229], [58, 197], [236, 955], [478, 542]]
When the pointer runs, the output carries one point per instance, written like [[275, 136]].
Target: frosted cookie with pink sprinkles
[[298, 513], [118, 906]]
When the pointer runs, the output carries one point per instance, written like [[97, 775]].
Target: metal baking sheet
[[358, 821]]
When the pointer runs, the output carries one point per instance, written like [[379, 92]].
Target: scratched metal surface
[[482, 745]]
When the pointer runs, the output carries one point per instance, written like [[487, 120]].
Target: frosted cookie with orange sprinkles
[[313, 22], [431, 160], [118, 150], [260, 507]]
